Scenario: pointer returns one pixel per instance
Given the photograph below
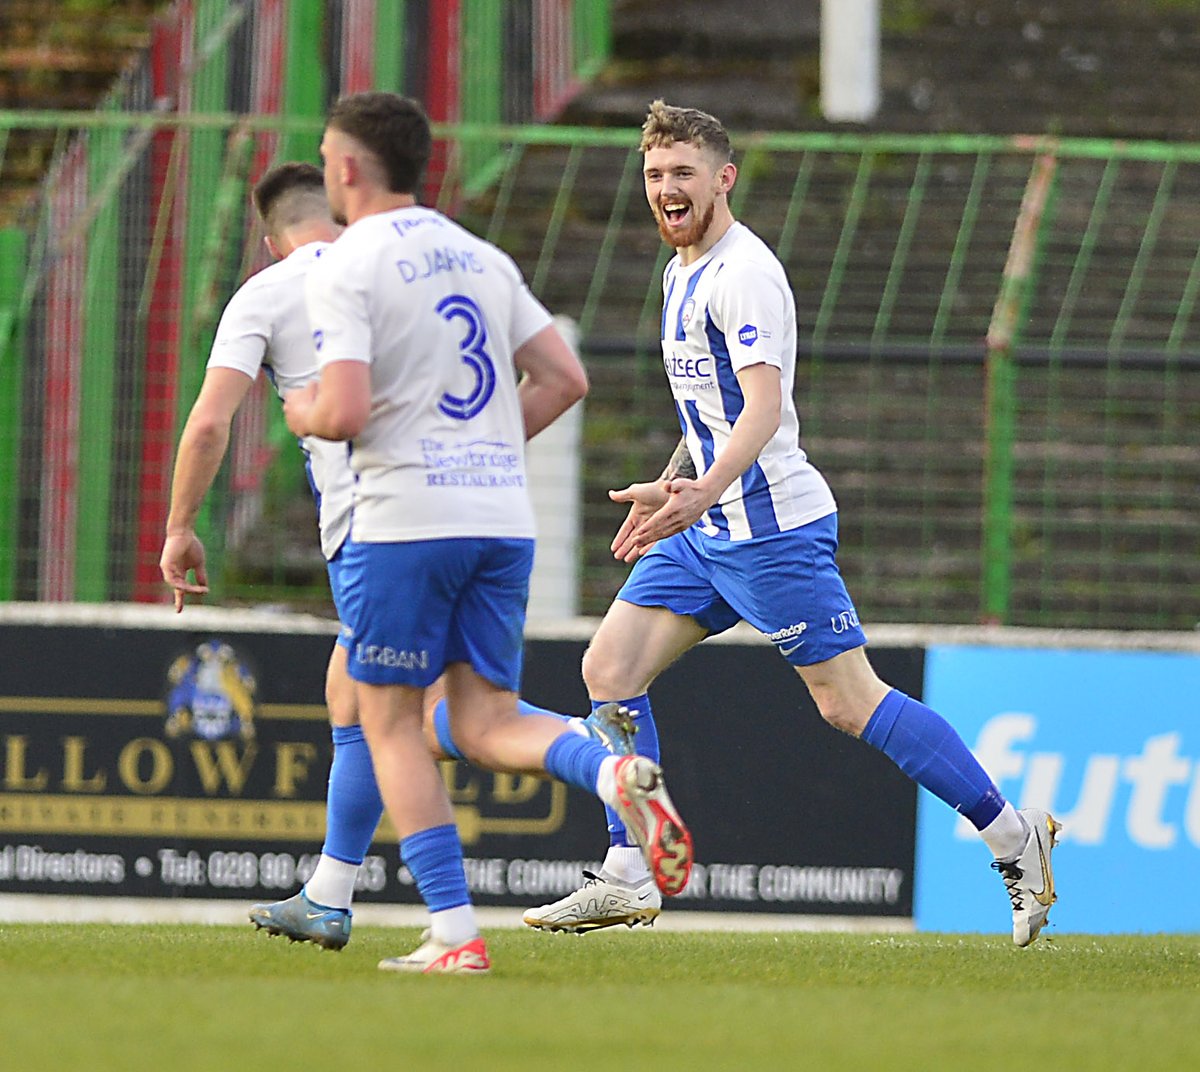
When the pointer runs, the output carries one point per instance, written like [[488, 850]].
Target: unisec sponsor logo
[[747, 334], [1158, 787], [386, 655], [683, 367]]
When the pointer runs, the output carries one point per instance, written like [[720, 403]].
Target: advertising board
[[1109, 743], [144, 762]]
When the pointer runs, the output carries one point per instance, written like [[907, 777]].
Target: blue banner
[[1109, 743]]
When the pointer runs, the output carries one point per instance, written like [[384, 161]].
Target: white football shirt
[[728, 310], [265, 325], [437, 313]]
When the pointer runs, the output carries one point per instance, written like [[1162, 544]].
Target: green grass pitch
[[93, 997]]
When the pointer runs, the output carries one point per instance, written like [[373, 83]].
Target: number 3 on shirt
[[472, 348]]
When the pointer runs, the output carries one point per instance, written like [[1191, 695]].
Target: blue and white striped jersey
[[728, 310]]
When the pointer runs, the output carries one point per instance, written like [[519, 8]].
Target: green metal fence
[[12, 278], [1006, 405], [999, 354]]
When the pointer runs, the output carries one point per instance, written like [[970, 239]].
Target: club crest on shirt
[[688, 311], [211, 694]]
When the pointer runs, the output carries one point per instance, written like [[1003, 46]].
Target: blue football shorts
[[335, 567], [416, 606], [787, 585]]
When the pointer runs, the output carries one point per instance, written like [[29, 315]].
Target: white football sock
[[1007, 834], [454, 926], [606, 781], [626, 864], [332, 883]]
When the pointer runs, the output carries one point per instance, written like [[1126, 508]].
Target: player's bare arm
[[335, 408], [201, 450], [681, 463], [552, 379], [688, 499]]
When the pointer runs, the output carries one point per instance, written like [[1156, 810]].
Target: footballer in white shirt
[[265, 327], [436, 365], [751, 532]]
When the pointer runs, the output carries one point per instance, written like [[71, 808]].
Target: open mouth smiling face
[[679, 222], [679, 189], [675, 211]]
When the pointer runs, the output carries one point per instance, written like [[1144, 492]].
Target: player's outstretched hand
[[686, 502], [183, 552], [644, 500]]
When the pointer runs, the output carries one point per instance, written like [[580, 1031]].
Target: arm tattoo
[[681, 464]]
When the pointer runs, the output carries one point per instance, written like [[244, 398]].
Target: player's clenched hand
[[296, 405], [183, 552], [644, 500], [686, 502]]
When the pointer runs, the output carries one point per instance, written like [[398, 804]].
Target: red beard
[[688, 236]]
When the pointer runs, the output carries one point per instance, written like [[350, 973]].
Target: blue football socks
[[435, 858], [927, 748], [572, 757], [645, 743], [353, 804], [576, 760]]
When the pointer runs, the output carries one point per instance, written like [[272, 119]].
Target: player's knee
[[346, 715], [429, 732], [837, 711], [605, 676], [475, 742], [342, 704]]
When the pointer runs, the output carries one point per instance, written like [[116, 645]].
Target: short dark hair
[[394, 128], [287, 194]]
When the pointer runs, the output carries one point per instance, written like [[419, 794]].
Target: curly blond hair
[[666, 124]]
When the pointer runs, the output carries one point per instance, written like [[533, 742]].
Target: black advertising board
[[145, 762], [788, 815]]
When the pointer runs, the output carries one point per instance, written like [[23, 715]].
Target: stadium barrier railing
[[1075, 464]]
